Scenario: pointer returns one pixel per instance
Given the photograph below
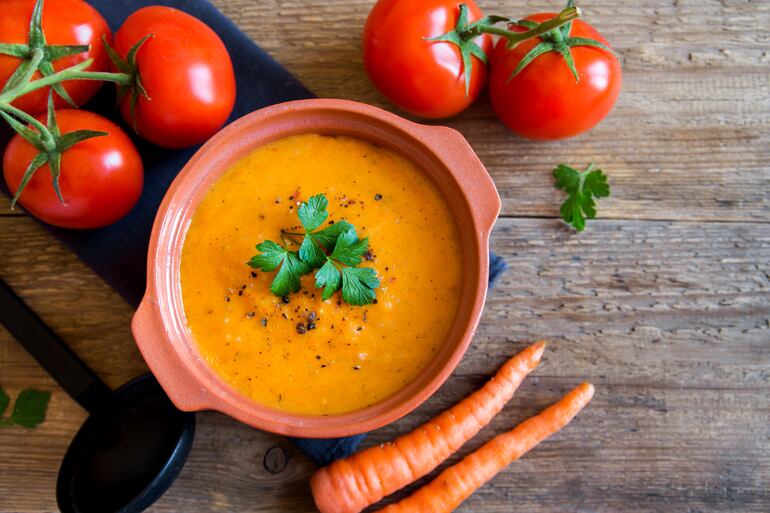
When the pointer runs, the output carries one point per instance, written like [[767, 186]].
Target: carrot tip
[[538, 348], [586, 390]]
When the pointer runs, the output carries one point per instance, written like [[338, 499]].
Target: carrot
[[458, 482], [349, 485]]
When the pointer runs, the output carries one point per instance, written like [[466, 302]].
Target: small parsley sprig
[[335, 251], [581, 188], [28, 410]]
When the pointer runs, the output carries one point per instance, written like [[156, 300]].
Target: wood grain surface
[[663, 303]]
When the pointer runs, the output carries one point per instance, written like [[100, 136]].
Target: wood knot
[[276, 459]]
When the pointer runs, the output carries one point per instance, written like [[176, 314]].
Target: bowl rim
[[159, 325]]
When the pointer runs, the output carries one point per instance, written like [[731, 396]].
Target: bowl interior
[[237, 141]]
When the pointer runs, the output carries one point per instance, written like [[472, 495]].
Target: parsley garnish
[[335, 252], [28, 411], [582, 188], [273, 255]]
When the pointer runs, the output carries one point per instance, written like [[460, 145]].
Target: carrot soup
[[299, 353]]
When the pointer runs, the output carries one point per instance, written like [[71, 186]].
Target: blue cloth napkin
[[118, 252]]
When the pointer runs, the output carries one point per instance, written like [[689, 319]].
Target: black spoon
[[134, 442]]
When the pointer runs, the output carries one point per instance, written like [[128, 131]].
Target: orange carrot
[[457, 483], [351, 484]]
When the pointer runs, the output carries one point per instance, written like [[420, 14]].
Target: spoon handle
[[49, 350]]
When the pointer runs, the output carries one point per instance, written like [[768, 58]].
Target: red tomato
[[65, 22], [544, 101], [422, 77], [187, 73], [101, 178]]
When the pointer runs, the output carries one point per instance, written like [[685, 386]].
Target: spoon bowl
[[127, 453]]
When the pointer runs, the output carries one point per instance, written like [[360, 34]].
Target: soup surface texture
[[353, 356]]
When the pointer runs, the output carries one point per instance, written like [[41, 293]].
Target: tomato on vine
[[429, 57], [555, 86], [84, 173], [64, 33], [183, 87]]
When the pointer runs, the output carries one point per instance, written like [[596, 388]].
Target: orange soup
[[352, 356]]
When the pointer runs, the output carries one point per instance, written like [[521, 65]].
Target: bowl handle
[[165, 363], [472, 176]]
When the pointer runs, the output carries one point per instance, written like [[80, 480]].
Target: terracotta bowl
[[159, 325]]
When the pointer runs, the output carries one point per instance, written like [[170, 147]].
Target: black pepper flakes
[[318, 357], [356, 367], [323, 365], [311, 317], [301, 328], [374, 302], [264, 321], [284, 315], [369, 256], [310, 326], [227, 299], [240, 292], [377, 197], [250, 315], [285, 299], [253, 274]]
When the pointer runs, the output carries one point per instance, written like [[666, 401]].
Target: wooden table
[[663, 303]]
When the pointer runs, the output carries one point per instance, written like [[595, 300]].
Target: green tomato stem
[[118, 78], [514, 38], [76, 72], [45, 134]]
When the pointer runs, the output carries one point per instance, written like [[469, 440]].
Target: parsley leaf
[[311, 253], [358, 284], [313, 212], [335, 251], [30, 407], [28, 411], [349, 249], [328, 277], [581, 188], [271, 257], [287, 279], [292, 268], [327, 237]]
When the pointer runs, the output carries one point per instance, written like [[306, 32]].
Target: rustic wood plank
[[669, 319]]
